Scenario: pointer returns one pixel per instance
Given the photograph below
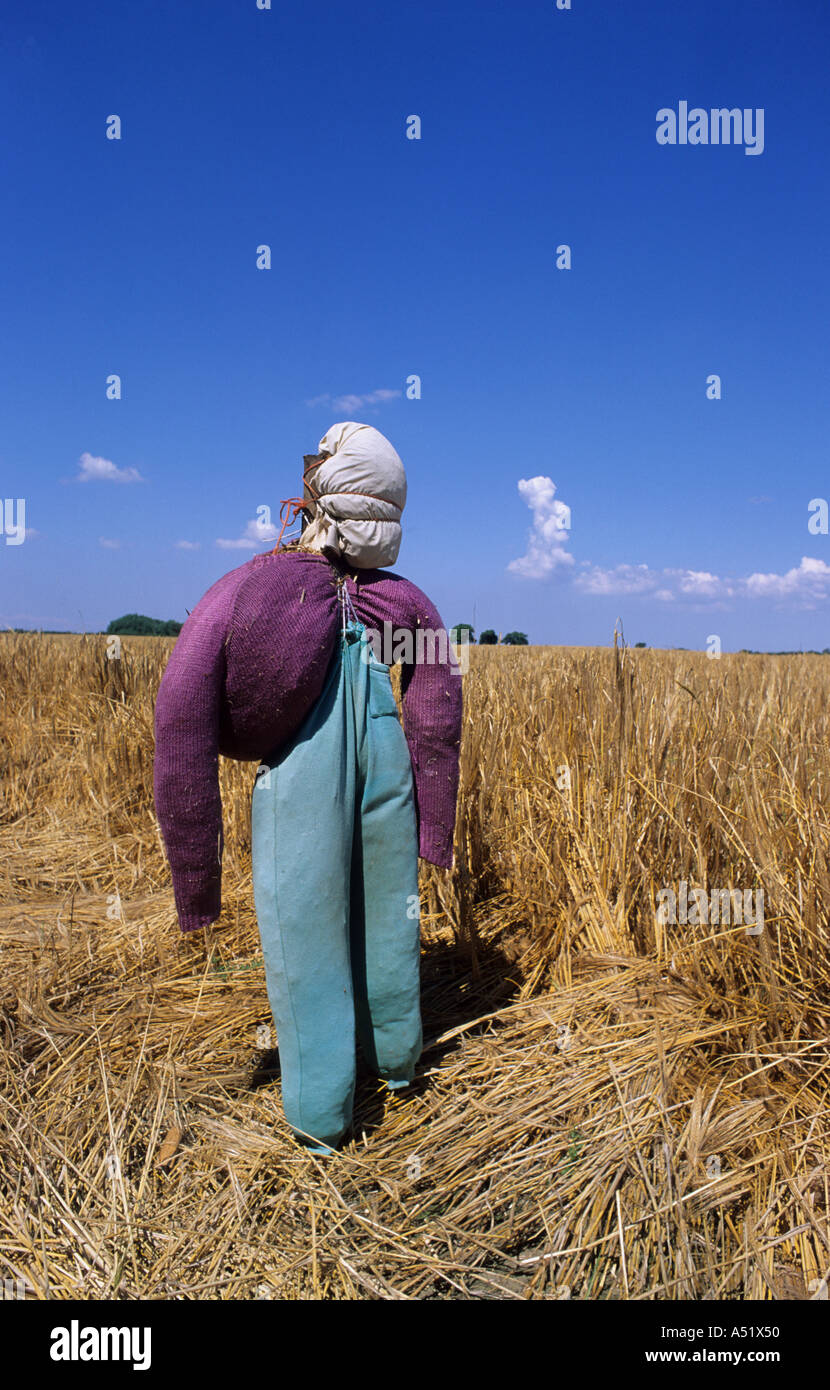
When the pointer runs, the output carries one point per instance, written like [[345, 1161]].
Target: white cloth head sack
[[361, 494]]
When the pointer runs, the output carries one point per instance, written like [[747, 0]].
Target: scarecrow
[[278, 663]]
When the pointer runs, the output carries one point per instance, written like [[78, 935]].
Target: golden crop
[[607, 1105]]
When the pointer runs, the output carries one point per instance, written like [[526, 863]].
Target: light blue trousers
[[335, 870]]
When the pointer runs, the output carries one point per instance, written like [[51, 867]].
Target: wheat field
[[608, 1106]]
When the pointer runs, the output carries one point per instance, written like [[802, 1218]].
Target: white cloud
[[622, 579], [255, 534], [104, 470], [109, 544], [351, 403], [640, 579], [702, 584], [806, 583], [548, 538], [188, 545]]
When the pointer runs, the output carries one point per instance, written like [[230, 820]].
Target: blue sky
[[435, 257]]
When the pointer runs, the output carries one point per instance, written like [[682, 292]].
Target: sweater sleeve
[[186, 765], [432, 708]]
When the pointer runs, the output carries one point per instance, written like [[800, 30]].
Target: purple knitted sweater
[[246, 669]]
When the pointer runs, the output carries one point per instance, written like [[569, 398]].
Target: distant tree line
[[139, 625], [488, 638], [749, 651]]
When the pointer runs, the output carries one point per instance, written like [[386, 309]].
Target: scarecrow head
[[354, 491]]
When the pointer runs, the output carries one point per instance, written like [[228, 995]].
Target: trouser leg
[[385, 918], [301, 819]]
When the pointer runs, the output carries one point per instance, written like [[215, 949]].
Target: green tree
[[462, 632], [515, 639], [488, 638], [139, 625]]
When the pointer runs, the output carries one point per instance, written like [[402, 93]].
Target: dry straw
[[605, 1107]]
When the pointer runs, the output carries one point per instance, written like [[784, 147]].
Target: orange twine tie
[[295, 505]]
